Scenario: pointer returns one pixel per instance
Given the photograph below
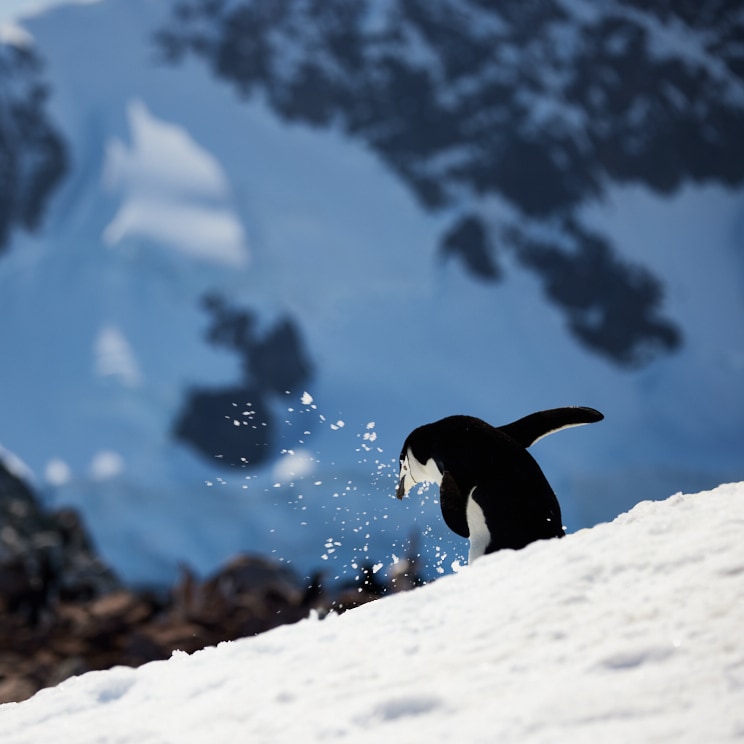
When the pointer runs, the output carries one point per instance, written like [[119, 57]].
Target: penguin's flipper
[[453, 505], [529, 429]]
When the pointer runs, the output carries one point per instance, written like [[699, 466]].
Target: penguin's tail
[[530, 429]]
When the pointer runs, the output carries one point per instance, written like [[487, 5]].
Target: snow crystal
[[306, 399]]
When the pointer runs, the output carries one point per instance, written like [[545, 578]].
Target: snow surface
[[166, 177], [629, 631]]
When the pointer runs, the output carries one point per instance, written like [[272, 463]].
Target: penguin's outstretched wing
[[453, 506], [529, 429]]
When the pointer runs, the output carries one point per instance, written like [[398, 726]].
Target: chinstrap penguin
[[491, 490]]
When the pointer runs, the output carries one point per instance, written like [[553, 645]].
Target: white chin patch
[[408, 482], [423, 472], [414, 473]]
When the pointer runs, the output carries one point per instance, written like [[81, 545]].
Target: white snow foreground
[[629, 631]]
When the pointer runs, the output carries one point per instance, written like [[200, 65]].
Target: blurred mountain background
[[247, 245]]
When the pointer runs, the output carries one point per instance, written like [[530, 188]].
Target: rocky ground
[[63, 612]]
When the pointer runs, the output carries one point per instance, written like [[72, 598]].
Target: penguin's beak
[[406, 482]]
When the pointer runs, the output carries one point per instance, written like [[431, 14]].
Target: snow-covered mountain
[[393, 211], [628, 631]]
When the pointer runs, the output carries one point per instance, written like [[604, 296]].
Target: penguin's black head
[[434, 448], [419, 461]]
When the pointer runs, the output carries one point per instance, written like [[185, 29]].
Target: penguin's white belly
[[479, 534]]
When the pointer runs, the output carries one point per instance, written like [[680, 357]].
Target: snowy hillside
[[629, 631], [208, 212]]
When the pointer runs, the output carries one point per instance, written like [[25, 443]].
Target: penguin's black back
[[517, 501]]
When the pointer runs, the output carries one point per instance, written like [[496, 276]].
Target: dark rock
[[612, 305], [33, 157], [468, 241], [235, 425], [523, 102], [231, 426], [43, 554], [14, 689], [248, 596]]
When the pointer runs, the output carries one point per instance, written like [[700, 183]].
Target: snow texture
[[629, 631]]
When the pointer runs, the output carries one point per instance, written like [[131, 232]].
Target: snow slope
[[629, 631]]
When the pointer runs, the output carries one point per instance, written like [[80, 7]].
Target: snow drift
[[628, 631]]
